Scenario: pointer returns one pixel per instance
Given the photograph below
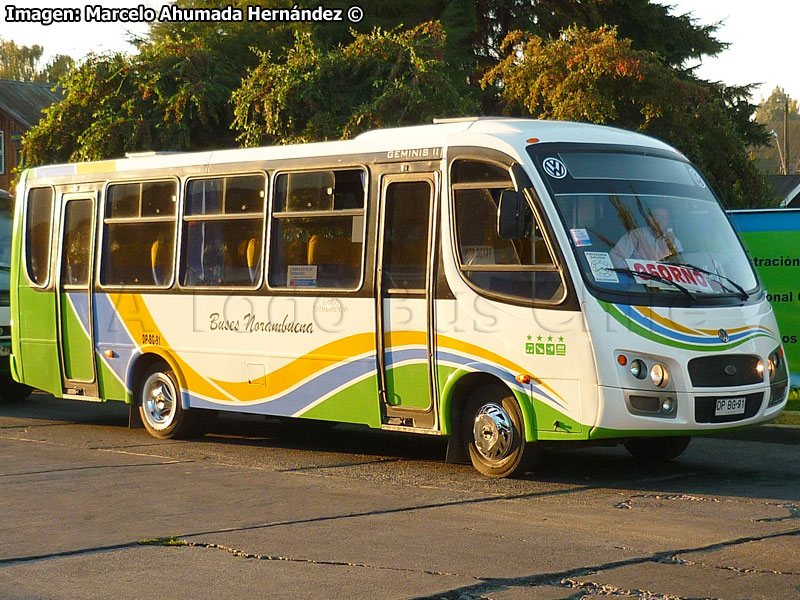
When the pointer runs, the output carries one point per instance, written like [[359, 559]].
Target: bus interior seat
[[480, 229], [249, 255], [158, 263], [336, 258]]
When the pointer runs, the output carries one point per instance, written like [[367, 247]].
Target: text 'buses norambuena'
[[506, 283]]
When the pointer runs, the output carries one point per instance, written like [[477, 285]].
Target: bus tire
[[13, 391], [492, 430], [159, 400], [657, 449]]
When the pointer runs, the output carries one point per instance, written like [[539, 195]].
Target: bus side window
[[222, 231], [318, 230], [520, 268], [38, 231], [139, 234]]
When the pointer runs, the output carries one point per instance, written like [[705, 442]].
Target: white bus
[[506, 283]]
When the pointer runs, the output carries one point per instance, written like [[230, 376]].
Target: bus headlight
[[775, 363], [638, 369], [659, 375]]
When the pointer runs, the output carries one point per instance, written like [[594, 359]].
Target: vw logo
[[555, 168], [723, 336], [696, 176], [730, 370]]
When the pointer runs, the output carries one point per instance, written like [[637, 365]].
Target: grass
[[165, 541], [794, 399]]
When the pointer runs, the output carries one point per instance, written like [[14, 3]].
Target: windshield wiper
[[5, 268], [742, 293], [656, 277]]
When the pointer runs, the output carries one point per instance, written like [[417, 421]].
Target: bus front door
[[404, 318], [74, 301]]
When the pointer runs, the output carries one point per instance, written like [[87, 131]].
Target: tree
[[595, 76], [171, 96], [772, 109], [21, 63], [381, 79], [650, 26], [231, 41]]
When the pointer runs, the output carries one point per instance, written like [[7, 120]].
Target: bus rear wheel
[[493, 431], [160, 405], [657, 449]]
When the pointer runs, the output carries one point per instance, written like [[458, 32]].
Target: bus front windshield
[[646, 226]]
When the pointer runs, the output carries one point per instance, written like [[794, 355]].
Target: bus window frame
[[101, 226], [312, 291], [53, 225], [179, 257], [535, 205]]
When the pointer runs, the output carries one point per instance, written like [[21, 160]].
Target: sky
[[761, 36]]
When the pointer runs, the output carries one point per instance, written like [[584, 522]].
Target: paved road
[[253, 511]]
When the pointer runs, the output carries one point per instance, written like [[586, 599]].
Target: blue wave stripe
[[110, 333], [497, 372], [80, 302], [302, 397], [397, 356], [634, 315]]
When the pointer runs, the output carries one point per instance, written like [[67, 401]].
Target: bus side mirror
[[510, 224]]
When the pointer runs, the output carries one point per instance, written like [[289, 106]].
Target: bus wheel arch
[[486, 423], [158, 393]]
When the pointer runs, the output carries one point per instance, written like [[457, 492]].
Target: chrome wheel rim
[[159, 400], [493, 433]]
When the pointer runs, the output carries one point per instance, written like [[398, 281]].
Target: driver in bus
[[655, 242]]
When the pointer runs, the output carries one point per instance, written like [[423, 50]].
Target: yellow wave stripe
[[301, 368], [140, 323], [473, 350], [670, 324], [133, 311], [419, 338]]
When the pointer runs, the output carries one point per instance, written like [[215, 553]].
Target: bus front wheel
[[160, 405], [657, 449], [493, 431]]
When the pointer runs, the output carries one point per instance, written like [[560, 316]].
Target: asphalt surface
[[92, 509]]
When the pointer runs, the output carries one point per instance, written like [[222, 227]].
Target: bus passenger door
[[74, 301], [403, 328]]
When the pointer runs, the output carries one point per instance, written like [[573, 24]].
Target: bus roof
[[494, 132]]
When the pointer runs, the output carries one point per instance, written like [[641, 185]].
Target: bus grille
[[704, 408], [725, 370]]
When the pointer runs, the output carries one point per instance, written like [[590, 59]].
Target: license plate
[[729, 406]]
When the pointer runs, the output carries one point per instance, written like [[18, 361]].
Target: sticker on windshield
[[601, 266], [555, 168], [698, 179], [580, 237], [687, 277]]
